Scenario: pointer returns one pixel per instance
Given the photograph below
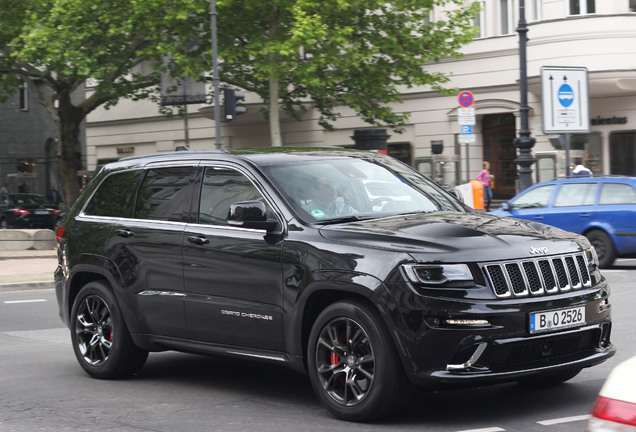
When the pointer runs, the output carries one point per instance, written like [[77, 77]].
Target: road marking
[[564, 420], [23, 301], [491, 429]]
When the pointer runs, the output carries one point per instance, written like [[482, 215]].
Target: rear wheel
[[604, 247], [100, 338], [353, 366]]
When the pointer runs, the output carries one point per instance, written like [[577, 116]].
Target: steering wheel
[[380, 200]]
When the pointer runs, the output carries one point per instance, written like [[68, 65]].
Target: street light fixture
[[524, 142]]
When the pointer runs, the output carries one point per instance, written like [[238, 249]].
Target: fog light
[[467, 322]]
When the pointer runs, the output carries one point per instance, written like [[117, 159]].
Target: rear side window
[[165, 194], [576, 194], [617, 193], [115, 197]]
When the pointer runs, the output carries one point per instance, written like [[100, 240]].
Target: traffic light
[[230, 99]]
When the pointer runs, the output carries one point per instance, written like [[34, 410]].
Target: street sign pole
[[466, 119]]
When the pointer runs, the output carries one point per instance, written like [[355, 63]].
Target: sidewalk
[[27, 269]]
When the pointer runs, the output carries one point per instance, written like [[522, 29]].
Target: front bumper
[[436, 354]]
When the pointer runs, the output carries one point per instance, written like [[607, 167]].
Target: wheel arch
[[321, 295], [99, 269]]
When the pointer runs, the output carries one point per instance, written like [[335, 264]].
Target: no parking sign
[[465, 99]]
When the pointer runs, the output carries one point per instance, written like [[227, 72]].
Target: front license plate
[[557, 319]]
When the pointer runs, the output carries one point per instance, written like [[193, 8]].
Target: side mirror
[[505, 206], [456, 194], [250, 214]]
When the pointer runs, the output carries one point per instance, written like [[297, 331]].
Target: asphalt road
[[42, 388]]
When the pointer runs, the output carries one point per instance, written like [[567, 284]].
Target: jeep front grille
[[538, 276]]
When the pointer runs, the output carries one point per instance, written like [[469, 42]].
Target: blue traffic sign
[[467, 129], [566, 95]]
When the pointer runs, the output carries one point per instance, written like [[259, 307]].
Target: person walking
[[53, 196], [580, 170], [485, 178]]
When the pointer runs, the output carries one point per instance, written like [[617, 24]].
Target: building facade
[[597, 35], [28, 144]]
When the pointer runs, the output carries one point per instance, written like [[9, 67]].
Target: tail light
[[57, 211], [59, 232], [20, 211], [612, 415]]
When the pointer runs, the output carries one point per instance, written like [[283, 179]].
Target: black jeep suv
[[348, 266]]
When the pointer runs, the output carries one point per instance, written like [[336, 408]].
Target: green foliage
[[357, 53]]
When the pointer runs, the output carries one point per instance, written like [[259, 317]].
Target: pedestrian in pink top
[[485, 178]]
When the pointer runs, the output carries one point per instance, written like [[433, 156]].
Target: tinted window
[[164, 194], [115, 197], [617, 193], [576, 194], [221, 188], [535, 198]]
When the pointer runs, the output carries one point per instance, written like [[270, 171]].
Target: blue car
[[601, 208]]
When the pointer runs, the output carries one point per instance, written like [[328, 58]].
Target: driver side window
[[221, 188]]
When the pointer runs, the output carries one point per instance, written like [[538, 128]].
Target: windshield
[[351, 188]]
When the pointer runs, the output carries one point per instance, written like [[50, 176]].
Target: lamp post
[[524, 142]]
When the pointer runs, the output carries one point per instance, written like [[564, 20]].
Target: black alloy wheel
[[352, 363], [100, 338]]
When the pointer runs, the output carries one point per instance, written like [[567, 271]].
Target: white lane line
[[491, 429], [564, 420], [23, 301]]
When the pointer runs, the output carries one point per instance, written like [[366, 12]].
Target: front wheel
[[604, 247], [100, 338], [352, 364]]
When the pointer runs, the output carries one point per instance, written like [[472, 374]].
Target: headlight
[[440, 275], [591, 256]]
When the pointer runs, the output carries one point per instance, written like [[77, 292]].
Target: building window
[[506, 11], [582, 7], [480, 20], [632, 5], [589, 147], [24, 97], [623, 153]]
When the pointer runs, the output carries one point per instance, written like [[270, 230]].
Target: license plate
[[41, 212], [557, 319]]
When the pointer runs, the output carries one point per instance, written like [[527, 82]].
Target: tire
[[549, 379], [353, 365], [3, 224], [100, 338], [604, 247]]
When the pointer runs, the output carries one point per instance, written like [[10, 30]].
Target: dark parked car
[[286, 256], [603, 209], [22, 210]]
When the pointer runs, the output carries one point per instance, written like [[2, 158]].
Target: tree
[[119, 45], [357, 53]]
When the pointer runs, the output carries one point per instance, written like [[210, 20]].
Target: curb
[[27, 286]]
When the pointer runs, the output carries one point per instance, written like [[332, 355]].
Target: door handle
[[538, 218], [124, 233], [198, 240], [584, 215]]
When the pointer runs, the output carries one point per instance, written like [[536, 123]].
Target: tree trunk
[[70, 121], [274, 112]]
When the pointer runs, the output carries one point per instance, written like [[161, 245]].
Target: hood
[[457, 237]]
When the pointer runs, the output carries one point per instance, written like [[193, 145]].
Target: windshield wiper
[[344, 219]]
